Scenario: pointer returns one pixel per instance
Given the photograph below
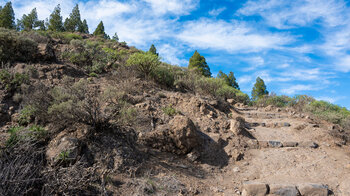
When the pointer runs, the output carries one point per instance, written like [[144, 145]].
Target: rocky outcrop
[[178, 136]]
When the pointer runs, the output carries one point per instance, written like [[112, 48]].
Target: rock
[[285, 124], [184, 133], [193, 156], [254, 189], [263, 124], [46, 52], [308, 144], [178, 136], [290, 144], [275, 144], [65, 149], [269, 108], [237, 125], [236, 169], [214, 103], [283, 190], [231, 101], [263, 144], [313, 190]]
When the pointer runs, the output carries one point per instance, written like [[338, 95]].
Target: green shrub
[[14, 137], [93, 74], [145, 63], [277, 101], [164, 75], [15, 47], [169, 110], [329, 112], [26, 115], [127, 115], [65, 37], [12, 81]]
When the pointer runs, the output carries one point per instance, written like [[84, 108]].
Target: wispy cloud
[[294, 89], [216, 12], [232, 36]]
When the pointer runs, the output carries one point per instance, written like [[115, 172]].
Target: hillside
[[86, 115]]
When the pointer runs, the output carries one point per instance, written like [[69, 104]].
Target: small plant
[[14, 137], [169, 110], [127, 115], [64, 156], [26, 115], [38, 131], [93, 74]]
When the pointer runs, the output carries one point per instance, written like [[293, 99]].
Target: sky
[[295, 46]]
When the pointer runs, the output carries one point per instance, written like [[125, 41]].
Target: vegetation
[[100, 31], [259, 89], [55, 21], [169, 110], [145, 63], [153, 50], [7, 16], [74, 23], [30, 22], [230, 79], [198, 63], [12, 81]]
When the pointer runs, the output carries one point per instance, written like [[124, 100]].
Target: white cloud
[[216, 12], [255, 63], [178, 7], [232, 37], [287, 14], [170, 54], [291, 90], [329, 99]]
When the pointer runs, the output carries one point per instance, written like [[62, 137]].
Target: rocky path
[[292, 155]]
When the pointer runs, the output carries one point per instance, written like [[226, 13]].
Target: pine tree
[[74, 23], [230, 79], [30, 21], [100, 30], [83, 28], [198, 62], [7, 16], [259, 89], [115, 37], [153, 50], [55, 21]]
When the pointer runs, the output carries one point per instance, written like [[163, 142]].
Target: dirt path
[[302, 163]]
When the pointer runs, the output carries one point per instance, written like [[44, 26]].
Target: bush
[[328, 111], [277, 101], [127, 115], [145, 63], [66, 37], [169, 110], [20, 134], [26, 115], [164, 75], [14, 47], [12, 81]]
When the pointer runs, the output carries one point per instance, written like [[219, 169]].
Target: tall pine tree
[[55, 21], [73, 23], [198, 63], [84, 27], [100, 30], [7, 17], [229, 79], [259, 89], [30, 21], [153, 50]]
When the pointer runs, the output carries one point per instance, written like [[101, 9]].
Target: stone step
[[261, 189], [278, 144], [272, 125], [264, 115]]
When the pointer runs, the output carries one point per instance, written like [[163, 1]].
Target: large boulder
[[179, 136], [63, 150]]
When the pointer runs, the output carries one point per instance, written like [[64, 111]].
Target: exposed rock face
[[179, 136], [46, 52]]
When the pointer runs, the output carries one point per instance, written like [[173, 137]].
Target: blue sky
[[296, 46]]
